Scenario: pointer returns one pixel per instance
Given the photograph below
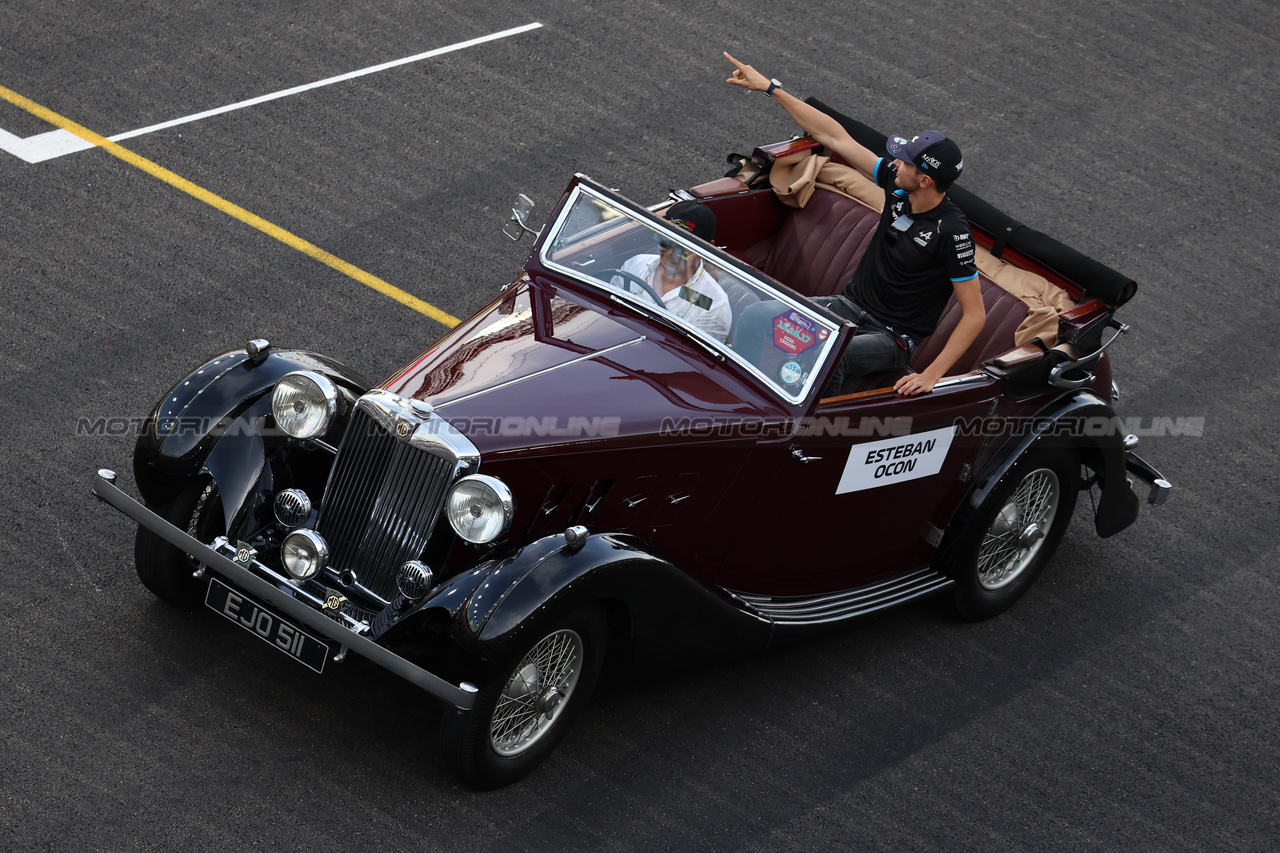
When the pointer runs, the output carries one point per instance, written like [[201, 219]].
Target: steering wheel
[[629, 279]]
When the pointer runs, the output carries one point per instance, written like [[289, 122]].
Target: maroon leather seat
[[1005, 313], [820, 245]]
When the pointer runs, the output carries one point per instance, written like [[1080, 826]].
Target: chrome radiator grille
[[384, 494]]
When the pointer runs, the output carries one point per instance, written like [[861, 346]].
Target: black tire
[[1015, 532], [528, 708], [162, 568]]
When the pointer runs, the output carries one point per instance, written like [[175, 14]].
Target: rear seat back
[[1005, 312], [820, 245]]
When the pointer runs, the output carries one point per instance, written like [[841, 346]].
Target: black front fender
[[209, 422], [667, 615]]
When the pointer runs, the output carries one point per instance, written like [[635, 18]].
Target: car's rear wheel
[[162, 568], [522, 714], [1015, 532]]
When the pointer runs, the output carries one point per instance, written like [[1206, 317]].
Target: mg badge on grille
[[402, 429], [244, 555]]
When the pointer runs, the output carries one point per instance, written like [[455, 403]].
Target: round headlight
[[304, 554], [304, 404], [480, 508]]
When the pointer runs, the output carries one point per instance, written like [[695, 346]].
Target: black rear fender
[[1080, 423]]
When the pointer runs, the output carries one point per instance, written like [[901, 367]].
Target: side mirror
[[518, 224]]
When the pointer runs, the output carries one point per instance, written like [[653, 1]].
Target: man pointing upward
[[921, 252]]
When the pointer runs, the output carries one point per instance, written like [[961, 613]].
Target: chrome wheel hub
[[536, 693], [549, 701]]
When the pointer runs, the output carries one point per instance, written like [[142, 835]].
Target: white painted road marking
[[57, 143]]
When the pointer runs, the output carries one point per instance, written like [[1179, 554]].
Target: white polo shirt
[[714, 318]]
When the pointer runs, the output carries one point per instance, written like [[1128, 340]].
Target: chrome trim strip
[[426, 430], [462, 696], [834, 606], [542, 372], [973, 377], [969, 378]]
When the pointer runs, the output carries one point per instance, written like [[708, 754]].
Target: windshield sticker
[[895, 460], [794, 332], [791, 373]]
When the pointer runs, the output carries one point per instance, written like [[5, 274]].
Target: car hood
[[541, 369]]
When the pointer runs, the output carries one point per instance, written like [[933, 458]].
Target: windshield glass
[[683, 281]]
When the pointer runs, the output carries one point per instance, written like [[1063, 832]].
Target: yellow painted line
[[234, 210]]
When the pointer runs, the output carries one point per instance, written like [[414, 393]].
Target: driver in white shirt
[[679, 276]]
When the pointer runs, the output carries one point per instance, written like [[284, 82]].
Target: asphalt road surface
[[1128, 702]]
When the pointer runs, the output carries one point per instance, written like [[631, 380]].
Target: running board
[[833, 606]]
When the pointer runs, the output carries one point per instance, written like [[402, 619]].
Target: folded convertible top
[[1095, 278]]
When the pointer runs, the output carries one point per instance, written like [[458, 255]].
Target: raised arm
[[814, 122]]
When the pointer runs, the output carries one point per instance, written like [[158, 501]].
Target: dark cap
[[695, 217], [937, 156]]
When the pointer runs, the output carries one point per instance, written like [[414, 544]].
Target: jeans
[[872, 349]]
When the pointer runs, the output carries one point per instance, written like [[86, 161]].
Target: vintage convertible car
[[574, 468]]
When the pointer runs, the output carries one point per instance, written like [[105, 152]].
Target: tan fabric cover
[[1044, 300], [794, 177], [794, 185]]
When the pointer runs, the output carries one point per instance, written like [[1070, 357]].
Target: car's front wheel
[[523, 713], [164, 569], [1015, 532]]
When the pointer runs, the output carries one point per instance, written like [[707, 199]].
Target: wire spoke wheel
[[1018, 530], [536, 692], [528, 706], [1015, 531]]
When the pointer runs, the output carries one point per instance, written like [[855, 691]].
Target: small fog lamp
[[304, 554]]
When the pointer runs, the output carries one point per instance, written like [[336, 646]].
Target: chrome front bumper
[[462, 696]]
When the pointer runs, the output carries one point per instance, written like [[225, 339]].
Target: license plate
[[266, 625]]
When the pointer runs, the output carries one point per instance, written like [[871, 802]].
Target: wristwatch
[[773, 84]]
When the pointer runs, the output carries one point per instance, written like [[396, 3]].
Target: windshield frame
[[764, 286]]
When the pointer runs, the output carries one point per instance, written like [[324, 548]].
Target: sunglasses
[[667, 245]]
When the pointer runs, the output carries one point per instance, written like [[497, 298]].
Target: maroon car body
[[571, 469]]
